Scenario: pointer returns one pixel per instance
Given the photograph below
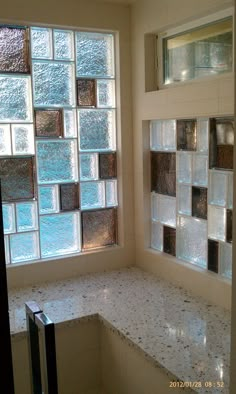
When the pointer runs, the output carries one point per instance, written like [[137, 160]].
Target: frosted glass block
[[26, 216], [192, 240], [70, 127], [15, 99], [7, 251], [216, 222], [184, 199], [97, 129], [24, 247], [226, 260], [53, 84], [23, 139], [92, 195], [111, 193], [41, 43], [202, 135], [56, 161], [9, 224], [60, 234], [218, 188], [156, 134], [88, 166], [63, 45], [167, 210], [200, 170], [48, 199], [169, 134], [14, 49], [155, 206], [105, 93], [5, 140], [157, 236], [230, 191], [94, 54], [184, 167]]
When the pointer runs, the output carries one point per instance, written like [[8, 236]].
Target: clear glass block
[[226, 260], [5, 140], [111, 193], [106, 93], [88, 166], [97, 129], [200, 170], [217, 188], [70, 124], [202, 135], [57, 161], [54, 230], [24, 247], [157, 236], [216, 223], [184, 199], [94, 54], [192, 240], [15, 99], [169, 134], [9, 223], [41, 43], [155, 206], [26, 216], [23, 139], [167, 210], [7, 251], [156, 134], [63, 45], [92, 195], [184, 167], [48, 199], [230, 190], [53, 84]]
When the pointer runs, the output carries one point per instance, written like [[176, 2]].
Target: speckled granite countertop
[[179, 333]]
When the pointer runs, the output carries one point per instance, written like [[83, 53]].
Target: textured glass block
[[230, 191], [88, 166], [187, 134], [56, 161], [229, 225], [167, 210], [94, 54], [53, 84], [169, 134], [225, 154], [48, 199], [111, 193], [163, 173], [63, 45], [48, 123], [9, 223], [97, 129], [107, 165], [92, 195], [157, 236], [17, 178], [14, 49], [69, 196], [156, 134], [15, 99], [155, 206], [23, 139], [226, 260], [5, 140], [192, 240], [199, 202], [216, 223], [184, 167], [200, 170], [86, 92], [26, 216], [169, 235], [41, 43], [60, 234], [202, 135], [70, 127], [213, 256], [7, 250], [218, 188], [106, 93], [99, 228], [24, 247], [184, 199]]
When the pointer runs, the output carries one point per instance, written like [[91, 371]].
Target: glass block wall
[[57, 141], [192, 190]]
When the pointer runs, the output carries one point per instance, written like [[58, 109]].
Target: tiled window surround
[[57, 141], [192, 190]]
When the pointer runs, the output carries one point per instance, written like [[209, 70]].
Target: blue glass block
[[156, 135], [167, 210], [5, 140], [200, 170], [63, 45], [157, 236], [26, 216], [216, 223], [24, 247], [217, 193], [184, 199], [169, 134], [9, 222], [184, 167], [53, 84], [70, 127], [105, 93], [60, 234], [202, 135], [23, 139], [48, 199], [97, 129], [41, 43], [94, 54], [7, 251], [56, 161], [88, 167], [92, 195], [226, 260], [111, 193], [15, 99], [155, 206], [230, 190]]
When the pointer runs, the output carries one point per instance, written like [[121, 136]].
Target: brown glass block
[[221, 143], [187, 135], [17, 178], [69, 196], [169, 240], [99, 228], [86, 92], [199, 202], [107, 165], [225, 157], [14, 50], [48, 123], [213, 255], [229, 226], [163, 173]]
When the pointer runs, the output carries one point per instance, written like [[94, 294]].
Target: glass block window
[[58, 162], [191, 182]]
